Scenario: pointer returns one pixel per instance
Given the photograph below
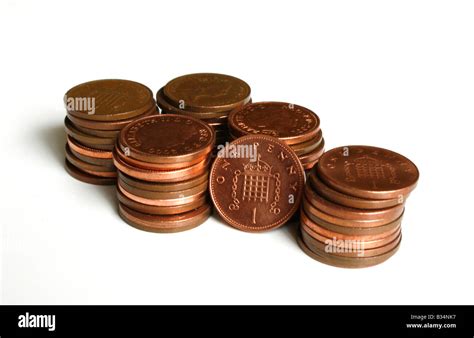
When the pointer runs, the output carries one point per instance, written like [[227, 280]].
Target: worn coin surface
[[368, 172], [256, 183]]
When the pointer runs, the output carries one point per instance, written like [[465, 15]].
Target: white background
[[394, 74]]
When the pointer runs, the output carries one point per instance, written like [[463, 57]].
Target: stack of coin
[[205, 96], [297, 126], [256, 183], [163, 169], [353, 206], [96, 112]]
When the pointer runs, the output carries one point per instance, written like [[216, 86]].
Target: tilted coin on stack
[[206, 96], [256, 183], [163, 167], [297, 126], [96, 112], [353, 205]]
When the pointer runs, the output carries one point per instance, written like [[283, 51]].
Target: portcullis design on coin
[[256, 183]]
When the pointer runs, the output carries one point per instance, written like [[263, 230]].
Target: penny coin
[[311, 209], [156, 139], [368, 172], [348, 213], [164, 187], [104, 162], [155, 210], [97, 170], [314, 156], [347, 200], [354, 230], [288, 122], [108, 100], [108, 125], [308, 146], [87, 178], [346, 248], [346, 262], [162, 195], [165, 223], [78, 135], [86, 151], [156, 166], [207, 92], [259, 185], [161, 176], [168, 108], [98, 133]]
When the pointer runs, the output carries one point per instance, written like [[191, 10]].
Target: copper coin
[[154, 210], [78, 135], [308, 146], [165, 223], [207, 92], [87, 178], [388, 214], [368, 172], [350, 201], [86, 151], [161, 176], [164, 187], [109, 125], [311, 209], [354, 230], [288, 122], [97, 132], [314, 156], [112, 100], [168, 108], [89, 168], [346, 262], [346, 248], [316, 228], [167, 139], [103, 162], [259, 186], [172, 197], [160, 166]]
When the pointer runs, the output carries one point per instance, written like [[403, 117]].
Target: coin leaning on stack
[[209, 97], [96, 112], [297, 126], [353, 206], [163, 168]]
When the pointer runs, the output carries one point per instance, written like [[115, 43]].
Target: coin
[[97, 132], [85, 177], [288, 122], [159, 210], [309, 146], [368, 172], [347, 200], [108, 100], [165, 223], [346, 262], [78, 135], [155, 139], [207, 92], [348, 213], [164, 187], [93, 169], [164, 195], [86, 151], [259, 187], [104, 162]]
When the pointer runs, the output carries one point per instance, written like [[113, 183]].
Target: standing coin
[[256, 183]]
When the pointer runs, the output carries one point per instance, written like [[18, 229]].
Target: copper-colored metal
[[288, 122], [165, 223], [350, 201], [161, 176], [104, 162], [78, 135], [161, 202], [314, 156], [346, 262], [308, 146], [155, 210], [368, 172], [97, 132], [114, 99], [85, 177], [164, 187], [166, 139], [388, 214], [257, 195], [207, 92], [86, 151], [92, 169], [164, 195]]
